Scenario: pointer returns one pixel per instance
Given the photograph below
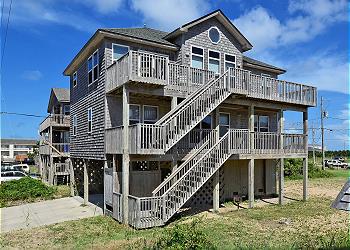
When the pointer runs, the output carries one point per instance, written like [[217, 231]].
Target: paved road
[[45, 213]]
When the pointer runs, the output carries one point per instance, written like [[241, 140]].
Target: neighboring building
[[54, 138], [10, 148], [179, 119]]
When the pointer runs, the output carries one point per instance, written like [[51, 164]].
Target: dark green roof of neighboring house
[[262, 64], [6, 141], [62, 94], [144, 33]]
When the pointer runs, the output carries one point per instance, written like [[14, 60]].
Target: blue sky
[[309, 38]]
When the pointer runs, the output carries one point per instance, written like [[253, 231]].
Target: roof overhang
[[246, 45], [260, 67], [96, 39]]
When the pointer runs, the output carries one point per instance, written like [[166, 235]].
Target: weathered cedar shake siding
[[83, 97]]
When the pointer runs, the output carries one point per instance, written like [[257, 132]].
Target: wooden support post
[[251, 183], [126, 157], [216, 191], [216, 180], [251, 128], [280, 130], [105, 166], [86, 183], [281, 182], [71, 178], [51, 172], [173, 102], [173, 165], [305, 160]]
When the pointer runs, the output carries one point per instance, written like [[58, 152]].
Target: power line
[[21, 114], [335, 118], [7, 27]]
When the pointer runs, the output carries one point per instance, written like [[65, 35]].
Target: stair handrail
[[182, 166], [194, 165], [190, 99]]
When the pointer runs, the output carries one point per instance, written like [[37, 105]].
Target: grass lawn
[[294, 225], [26, 190]]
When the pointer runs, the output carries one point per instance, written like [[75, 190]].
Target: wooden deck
[[55, 120], [146, 139], [156, 69]]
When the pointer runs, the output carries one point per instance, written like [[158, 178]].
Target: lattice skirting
[[204, 196], [95, 174]]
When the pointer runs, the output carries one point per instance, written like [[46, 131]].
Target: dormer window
[[214, 35]]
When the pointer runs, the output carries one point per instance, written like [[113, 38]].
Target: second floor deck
[[55, 120], [157, 69]]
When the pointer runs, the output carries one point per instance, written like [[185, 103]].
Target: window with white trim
[[134, 113], [90, 120], [93, 67], [197, 57], [150, 114], [119, 51], [214, 61], [75, 79], [75, 123], [230, 61], [261, 123], [214, 35], [224, 123]]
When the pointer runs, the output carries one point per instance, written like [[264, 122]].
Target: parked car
[[23, 167], [35, 175], [341, 159], [336, 163], [11, 175]]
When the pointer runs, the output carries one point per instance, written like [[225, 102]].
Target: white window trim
[[268, 123], [143, 113], [139, 120], [89, 132], [75, 124], [76, 81], [98, 70], [64, 109], [215, 59], [235, 62], [229, 118], [197, 55], [121, 45], [214, 27]]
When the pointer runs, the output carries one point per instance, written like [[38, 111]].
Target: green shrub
[[24, 189], [184, 236], [293, 169]]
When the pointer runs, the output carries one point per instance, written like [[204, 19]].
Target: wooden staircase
[[178, 122]]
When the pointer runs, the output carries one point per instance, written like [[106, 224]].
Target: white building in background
[[12, 147]]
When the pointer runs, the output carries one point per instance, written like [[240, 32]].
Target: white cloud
[[29, 12], [308, 19], [32, 75], [169, 14], [326, 70], [103, 6]]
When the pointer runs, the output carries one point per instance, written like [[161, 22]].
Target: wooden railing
[[114, 140], [203, 147], [61, 168], [294, 143], [61, 147], [54, 120], [146, 139], [145, 212], [156, 69]]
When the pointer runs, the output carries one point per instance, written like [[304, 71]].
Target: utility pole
[[322, 133], [313, 145]]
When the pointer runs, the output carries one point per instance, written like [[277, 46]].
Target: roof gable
[[220, 16], [58, 95]]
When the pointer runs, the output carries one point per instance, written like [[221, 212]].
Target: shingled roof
[[6, 141], [342, 202], [144, 33], [61, 94]]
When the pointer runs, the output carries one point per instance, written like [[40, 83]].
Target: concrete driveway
[[45, 213]]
